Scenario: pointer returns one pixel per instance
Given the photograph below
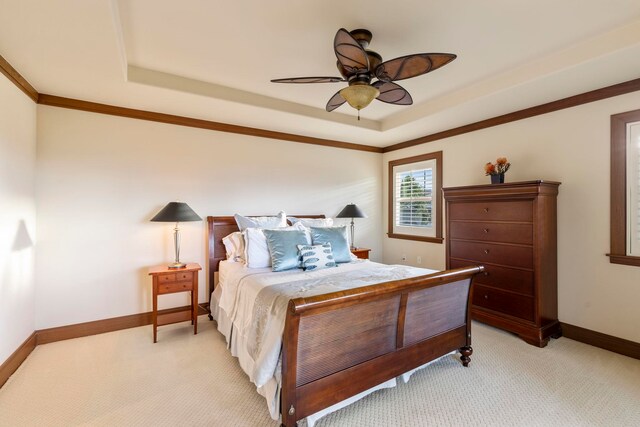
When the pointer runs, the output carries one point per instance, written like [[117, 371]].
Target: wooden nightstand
[[362, 253], [171, 280]]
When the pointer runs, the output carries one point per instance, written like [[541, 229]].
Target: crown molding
[[94, 107], [561, 104], [56, 101], [14, 76]]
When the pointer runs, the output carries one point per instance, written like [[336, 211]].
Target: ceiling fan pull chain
[[358, 115]]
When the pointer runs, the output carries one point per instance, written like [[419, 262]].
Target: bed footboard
[[340, 344]]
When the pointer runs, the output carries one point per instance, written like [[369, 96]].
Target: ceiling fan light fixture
[[359, 95], [359, 66]]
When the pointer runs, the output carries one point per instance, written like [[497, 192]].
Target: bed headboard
[[219, 227]]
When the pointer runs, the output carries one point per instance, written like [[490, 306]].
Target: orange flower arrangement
[[501, 166]]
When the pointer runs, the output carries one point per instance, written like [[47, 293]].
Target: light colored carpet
[[123, 379]]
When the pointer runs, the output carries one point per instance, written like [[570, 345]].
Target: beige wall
[[570, 146], [17, 217], [101, 178]]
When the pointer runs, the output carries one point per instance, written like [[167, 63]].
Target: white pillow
[[277, 221], [312, 222], [234, 245], [256, 250]]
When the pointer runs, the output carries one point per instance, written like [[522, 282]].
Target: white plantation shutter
[[633, 189], [414, 204]]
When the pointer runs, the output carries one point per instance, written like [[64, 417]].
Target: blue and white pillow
[[316, 257]]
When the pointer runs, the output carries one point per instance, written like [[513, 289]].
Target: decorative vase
[[497, 178]]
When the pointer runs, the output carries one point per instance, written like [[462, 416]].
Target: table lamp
[[351, 211], [176, 212]]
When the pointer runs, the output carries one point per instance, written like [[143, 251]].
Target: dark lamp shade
[[351, 211], [176, 212]]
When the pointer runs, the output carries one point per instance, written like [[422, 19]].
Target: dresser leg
[[557, 335], [541, 343], [466, 353]]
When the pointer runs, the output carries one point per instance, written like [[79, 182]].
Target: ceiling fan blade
[[392, 93], [309, 80], [414, 65], [335, 101], [349, 52]]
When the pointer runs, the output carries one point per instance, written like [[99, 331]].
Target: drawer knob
[[486, 273], [486, 230], [486, 296], [486, 209], [486, 251]]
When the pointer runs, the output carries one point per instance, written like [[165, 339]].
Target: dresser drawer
[[517, 210], [503, 302], [168, 288], [517, 256], [510, 279], [492, 231]]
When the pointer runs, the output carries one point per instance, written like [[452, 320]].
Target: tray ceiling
[[214, 60]]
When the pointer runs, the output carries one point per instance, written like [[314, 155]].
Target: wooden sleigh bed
[[340, 344]]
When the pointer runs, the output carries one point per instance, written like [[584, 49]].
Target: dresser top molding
[[524, 188]]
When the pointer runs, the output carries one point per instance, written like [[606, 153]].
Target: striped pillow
[[316, 257], [234, 246]]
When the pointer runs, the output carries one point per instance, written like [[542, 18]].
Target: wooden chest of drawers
[[511, 230]]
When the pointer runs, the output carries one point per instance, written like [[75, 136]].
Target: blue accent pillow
[[316, 257], [337, 237], [283, 248]]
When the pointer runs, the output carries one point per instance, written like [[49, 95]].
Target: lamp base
[[177, 265]]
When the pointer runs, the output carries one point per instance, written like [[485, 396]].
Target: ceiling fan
[[359, 66]]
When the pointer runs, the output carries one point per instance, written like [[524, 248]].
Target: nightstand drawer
[[187, 275], [166, 278], [509, 255], [520, 210], [503, 302], [168, 288], [505, 232]]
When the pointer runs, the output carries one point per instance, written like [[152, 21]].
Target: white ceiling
[[213, 60]]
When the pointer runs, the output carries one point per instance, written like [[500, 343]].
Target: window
[[625, 188], [633, 184], [415, 188]]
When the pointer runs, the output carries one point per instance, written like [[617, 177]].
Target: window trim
[[618, 254], [437, 197]]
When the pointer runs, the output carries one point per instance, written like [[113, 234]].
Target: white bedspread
[[252, 306]]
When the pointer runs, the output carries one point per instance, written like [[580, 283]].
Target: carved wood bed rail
[[340, 344]]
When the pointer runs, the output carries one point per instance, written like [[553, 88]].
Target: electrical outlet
[[419, 259], [404, 257]]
